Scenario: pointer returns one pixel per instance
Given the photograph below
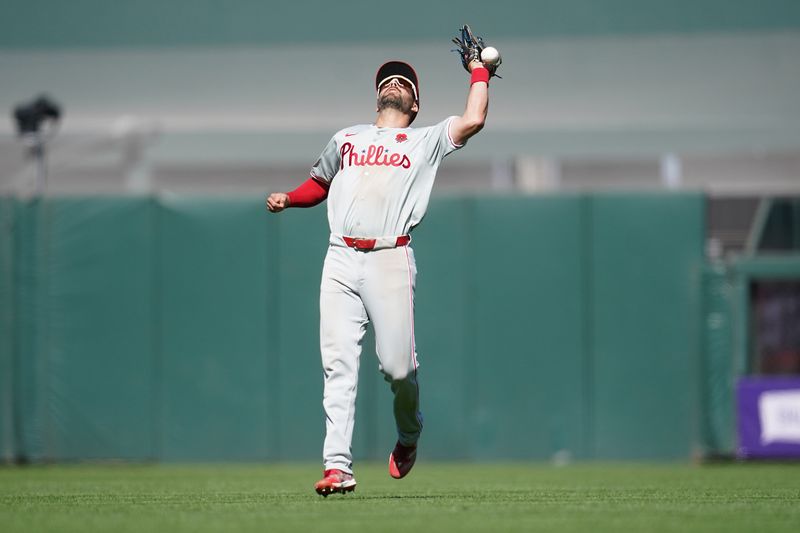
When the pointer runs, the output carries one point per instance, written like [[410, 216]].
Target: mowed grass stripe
[[435, 497]]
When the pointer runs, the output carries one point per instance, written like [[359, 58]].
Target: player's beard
[[393, 101]]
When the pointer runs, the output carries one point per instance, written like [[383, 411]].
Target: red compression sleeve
[[308, 194]]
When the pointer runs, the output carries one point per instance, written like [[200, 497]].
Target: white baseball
[[490, 56]]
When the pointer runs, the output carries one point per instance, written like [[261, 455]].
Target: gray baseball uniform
[[380, 183]]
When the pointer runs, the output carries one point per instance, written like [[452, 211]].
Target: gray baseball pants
[[359, 287]]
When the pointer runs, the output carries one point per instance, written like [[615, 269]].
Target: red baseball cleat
[[335, 481], [402, 459]]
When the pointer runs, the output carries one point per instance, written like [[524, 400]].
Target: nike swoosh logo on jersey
[[350, 134]]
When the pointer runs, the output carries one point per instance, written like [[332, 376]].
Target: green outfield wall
[[186, 329], [6, 329]]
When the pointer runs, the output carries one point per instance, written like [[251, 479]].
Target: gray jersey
[[381, 178]]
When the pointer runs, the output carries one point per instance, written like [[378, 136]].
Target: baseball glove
[[470, 48]]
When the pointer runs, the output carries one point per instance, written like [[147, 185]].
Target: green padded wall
[[187, 329], [7, 436], [213, 297], [83, 346], [30, 322], [302, 240], [646, 259], [525, 367], [98, 314]]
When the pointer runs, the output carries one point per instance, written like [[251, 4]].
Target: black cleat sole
[[325, 492]]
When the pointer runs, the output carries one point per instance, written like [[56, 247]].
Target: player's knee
[[400, 375], [395, 372]]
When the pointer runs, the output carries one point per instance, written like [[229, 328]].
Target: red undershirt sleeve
[[309, 193]]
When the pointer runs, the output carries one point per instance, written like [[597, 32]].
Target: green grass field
[[435, 497]]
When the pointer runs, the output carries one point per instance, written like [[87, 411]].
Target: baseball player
[[377, 179]]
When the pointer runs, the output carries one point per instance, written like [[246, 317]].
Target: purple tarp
[[768, 411]]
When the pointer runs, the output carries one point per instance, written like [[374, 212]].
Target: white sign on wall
[[779, 412]]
